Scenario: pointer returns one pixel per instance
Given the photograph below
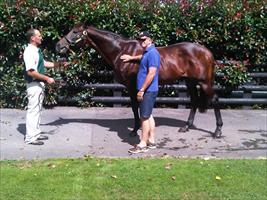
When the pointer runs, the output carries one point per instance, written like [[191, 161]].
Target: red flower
[[238, 15]]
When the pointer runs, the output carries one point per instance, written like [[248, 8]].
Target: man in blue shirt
[[147, 86]]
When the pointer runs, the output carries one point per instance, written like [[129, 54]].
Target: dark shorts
[[147, 104]]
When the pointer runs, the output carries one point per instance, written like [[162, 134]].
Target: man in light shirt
[[36, 79]]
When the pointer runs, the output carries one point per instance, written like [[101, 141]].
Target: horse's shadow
[[122, 126]]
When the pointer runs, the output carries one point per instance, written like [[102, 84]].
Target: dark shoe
[[36, 142], [42, 137], [138, 149], [151, 145]]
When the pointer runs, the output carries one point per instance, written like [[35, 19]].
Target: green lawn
[[140, 179]]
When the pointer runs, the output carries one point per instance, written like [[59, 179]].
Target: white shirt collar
[[33, 47]]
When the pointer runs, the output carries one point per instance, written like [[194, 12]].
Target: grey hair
[[30, 33]]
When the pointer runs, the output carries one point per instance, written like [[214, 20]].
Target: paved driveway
[[75, 132]]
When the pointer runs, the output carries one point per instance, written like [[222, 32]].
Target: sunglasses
[[142, 40]]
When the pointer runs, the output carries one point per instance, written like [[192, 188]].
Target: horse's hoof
[[217, 134], [183, 129], [133, 134]]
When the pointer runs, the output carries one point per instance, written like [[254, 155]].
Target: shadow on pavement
[[22, 129], [122, 126]]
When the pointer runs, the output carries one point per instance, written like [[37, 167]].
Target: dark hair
[[30, 33]]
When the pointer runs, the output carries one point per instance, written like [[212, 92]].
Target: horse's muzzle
[[59, 49]]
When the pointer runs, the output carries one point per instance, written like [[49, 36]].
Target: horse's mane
[[111, 34]]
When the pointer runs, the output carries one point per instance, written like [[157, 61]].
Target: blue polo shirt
[[150, 58]]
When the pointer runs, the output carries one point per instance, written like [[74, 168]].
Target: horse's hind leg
[[218, 116], [208, 90], [192, 91]]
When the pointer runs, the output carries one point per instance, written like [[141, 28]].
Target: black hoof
[[133, 134], [183, 129], [217, 133]]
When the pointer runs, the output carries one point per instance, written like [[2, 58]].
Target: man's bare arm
[[49, 64], [42, 77], [127, 58], [150, 76]]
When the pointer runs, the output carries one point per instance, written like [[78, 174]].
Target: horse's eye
[[76, 31]]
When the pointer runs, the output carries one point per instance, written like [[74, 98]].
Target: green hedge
[[230, 29]]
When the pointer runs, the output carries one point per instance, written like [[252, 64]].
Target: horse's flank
[[184, 60]]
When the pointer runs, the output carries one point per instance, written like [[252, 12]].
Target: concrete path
[[75, 132]]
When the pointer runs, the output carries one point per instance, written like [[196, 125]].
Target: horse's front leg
[[135, 105], [190, 120]]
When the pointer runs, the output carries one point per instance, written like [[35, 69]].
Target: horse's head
[[75, 38]]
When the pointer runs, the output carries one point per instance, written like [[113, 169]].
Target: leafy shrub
[[230, 29], [231, 74]]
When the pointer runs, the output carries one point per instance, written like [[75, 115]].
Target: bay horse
[[190, 61]]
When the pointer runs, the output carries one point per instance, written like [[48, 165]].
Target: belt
[[36, 80]]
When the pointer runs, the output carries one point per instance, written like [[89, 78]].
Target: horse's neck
[[107, 45]]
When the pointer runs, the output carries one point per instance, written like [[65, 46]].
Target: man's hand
[[61, 64], [126, 58], [50, 80], [140, 95], [64, 64]]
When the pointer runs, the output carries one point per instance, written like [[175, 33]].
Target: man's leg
[[146, 106], [147, 120], [152, 127], [35, 100], [145, 132]]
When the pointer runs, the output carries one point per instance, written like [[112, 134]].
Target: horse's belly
[[170, 75]]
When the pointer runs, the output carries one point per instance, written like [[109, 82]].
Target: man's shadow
[[22, 130], [123, 126]]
